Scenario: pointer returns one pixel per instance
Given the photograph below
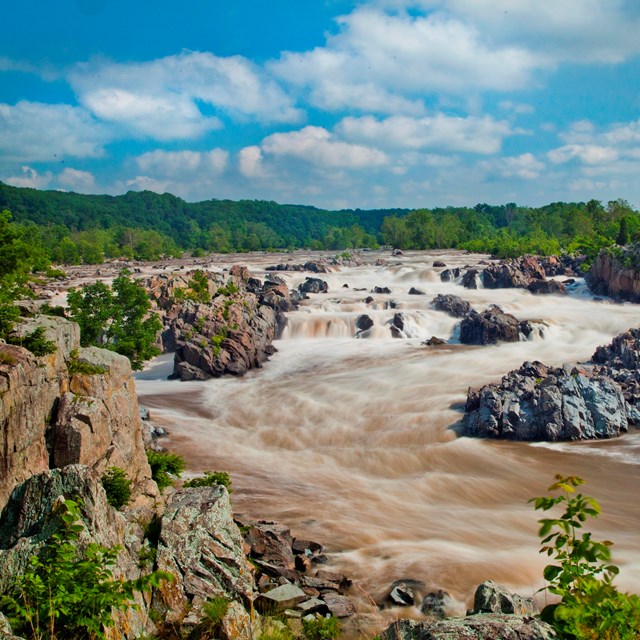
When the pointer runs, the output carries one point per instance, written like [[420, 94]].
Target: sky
[[332, 103]]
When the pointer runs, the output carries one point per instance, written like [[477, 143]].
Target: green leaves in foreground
[[590, 606], [69, 590]]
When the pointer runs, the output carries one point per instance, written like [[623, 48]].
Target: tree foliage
[[116, 318], [68, 591], [590, 606]]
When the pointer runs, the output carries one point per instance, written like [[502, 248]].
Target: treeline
[[74, 228]]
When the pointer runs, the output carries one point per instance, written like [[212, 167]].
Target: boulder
[[449, 274], [518, 272], [487, 626], [435, 604], [271, 543], [202, 547], [494, 598], [439, 263], [491, 326], [363, 323], [434, 341], [286, 596], [470, 279], [381, 290], [416, 292], [542, 403], [453, 305], [546, 287], [313, 285]]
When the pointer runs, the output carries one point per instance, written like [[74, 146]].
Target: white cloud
[[524, 166], [184, 163], [143, 183], [385, 62], [470, 134], [30, 177], [250, 162], [173, 97], [81, 181], [318, 146], [586, 153], [34, 131]]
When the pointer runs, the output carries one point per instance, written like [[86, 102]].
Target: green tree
[[590, 606], [117, 318]]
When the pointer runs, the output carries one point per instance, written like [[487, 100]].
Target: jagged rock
[[494, 598], [541, 403], [470, 279], [270, 542], [383, 290], [435, 604], [615, 272], [547, 287], [306, 547], [449, 274], [339, 606], [241, 272], [491, 326], [363, 323], [484, 626], [313, 605], [403, 593], [286, 596], [27, 522], [416, 292], [453, 305], [518, 272], [313, 285], [98, 421], [434, 341], [202, 547]]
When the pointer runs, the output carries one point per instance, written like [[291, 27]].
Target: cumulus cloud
[[524, 166], [77, 180], [184, 163], [30, 177], [250, 162], [34, 131], [173, 97], [586, 153], [440, 131], [384, 62], [318, 146]]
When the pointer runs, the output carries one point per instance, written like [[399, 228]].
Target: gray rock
[[6, 632], [286, 596], [313, 285], [339, 606], [449, 274], [364, 322], [435, 604], [453, 305], [491, 326], [416, 292], [487, 626], [494, 598], [202, 546]]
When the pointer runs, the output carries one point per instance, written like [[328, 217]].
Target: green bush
[[321, 628], [590, 606], [34, 342], [165, 467], [213, 611], [70, 593], [211, 479], [117, 486], [74, 365]]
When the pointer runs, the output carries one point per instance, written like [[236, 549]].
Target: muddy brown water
[[350, 441]]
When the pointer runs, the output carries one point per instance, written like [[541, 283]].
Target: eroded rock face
[[542, 403], [518, 272], [615, 272], [491, 326], [28, 520], [484, 626], [202, 546], [494, 598], [51, 418]]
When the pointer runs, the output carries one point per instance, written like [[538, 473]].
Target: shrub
[[34, 342], [117, 486], [71, 593], [590, 607], [7, 358], [74, 365], [48, 310], [211, 479], [213, 611], [165, 467], [321, 628]]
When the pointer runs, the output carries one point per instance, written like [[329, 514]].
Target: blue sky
[[335, 103]]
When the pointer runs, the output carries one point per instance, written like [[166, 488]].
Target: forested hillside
[[76, 228]]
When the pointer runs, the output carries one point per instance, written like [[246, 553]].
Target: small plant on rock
[[165, 467], [321, 628], [117, 487], [211, 479], [34, 342], [590, 606], [213, 611]]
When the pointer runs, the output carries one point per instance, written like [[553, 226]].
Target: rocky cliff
[[616, 272], [54, 413]]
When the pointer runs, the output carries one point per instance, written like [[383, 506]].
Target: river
[[349, 441]]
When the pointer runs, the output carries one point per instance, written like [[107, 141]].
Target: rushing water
[[349, 441]]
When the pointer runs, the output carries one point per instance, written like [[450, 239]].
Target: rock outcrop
[[542, 403], [51, 417], [518, 272], [494, 598], [491, 326], [616, 272]]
